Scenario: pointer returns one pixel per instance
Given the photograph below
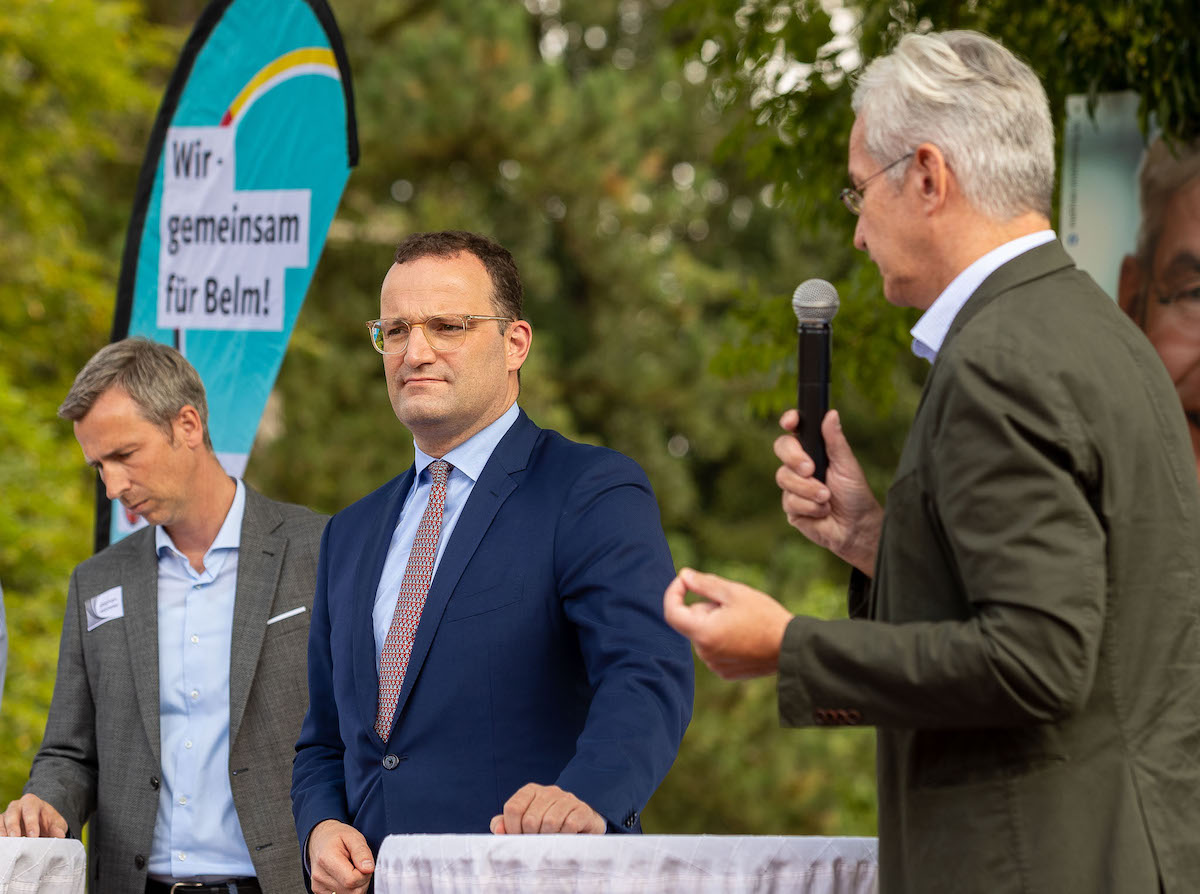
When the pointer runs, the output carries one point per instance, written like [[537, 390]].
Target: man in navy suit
[[487, 647]]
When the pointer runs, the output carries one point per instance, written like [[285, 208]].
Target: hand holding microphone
[[825, 493]]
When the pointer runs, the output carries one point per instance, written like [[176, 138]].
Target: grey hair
[[1163, 172], [979, 104], [156, 376]]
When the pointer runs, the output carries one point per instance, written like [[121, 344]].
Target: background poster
[[1098, 220], [250, 153]]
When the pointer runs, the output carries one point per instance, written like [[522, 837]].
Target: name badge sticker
[[108, 605]]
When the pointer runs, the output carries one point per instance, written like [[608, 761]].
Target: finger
[[803, 486], [792, 455], [531, 819], [836, 445], [711, 586], [31, 819], [797, 509], [515, 807], [555, 815], [360, 853], [497, 825], [789, 420], [583, 820], [676, 612]]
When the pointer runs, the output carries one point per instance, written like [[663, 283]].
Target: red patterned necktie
[[413, 589]]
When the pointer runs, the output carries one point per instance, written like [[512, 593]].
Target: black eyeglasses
[[853, 198]]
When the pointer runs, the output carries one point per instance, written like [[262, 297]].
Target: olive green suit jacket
[[1028, 646]]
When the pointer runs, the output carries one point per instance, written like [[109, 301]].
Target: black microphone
[[815, 302]]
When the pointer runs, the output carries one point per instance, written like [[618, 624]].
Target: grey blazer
[[100, 757], [1030, 645]]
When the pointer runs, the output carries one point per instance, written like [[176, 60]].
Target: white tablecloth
[[42, 866], [624, 864]]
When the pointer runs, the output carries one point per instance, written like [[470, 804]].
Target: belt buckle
[[187, 886]]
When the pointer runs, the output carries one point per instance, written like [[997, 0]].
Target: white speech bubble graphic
[[223, 251]]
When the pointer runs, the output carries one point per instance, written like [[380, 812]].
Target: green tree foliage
[[79, 82], [664, 172]]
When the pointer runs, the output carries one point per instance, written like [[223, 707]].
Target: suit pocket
[[489, 599], [942, 758]]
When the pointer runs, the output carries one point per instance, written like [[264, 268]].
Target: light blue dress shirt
[[931, 329], [468, 459], [196, 831]]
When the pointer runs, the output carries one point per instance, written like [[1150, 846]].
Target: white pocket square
[[286, 615]]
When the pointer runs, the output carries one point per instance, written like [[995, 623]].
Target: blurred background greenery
[[664, 172]]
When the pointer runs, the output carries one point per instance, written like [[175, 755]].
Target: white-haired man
[[1024, 615], [1160, 283]]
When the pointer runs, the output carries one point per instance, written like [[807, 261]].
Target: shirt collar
[[931, 329], [230, 535], [471, 455]]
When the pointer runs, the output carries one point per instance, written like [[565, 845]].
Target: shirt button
[[183, 799], [195, 693], [182, 855], [195, 638], [187, 743]]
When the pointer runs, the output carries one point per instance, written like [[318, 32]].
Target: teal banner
[[249, 156]]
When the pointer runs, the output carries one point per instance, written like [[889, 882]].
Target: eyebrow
[[1182, 263], [95, 463]]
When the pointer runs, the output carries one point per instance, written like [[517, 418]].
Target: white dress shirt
[[196, 831], [931, 329], [468, 460]]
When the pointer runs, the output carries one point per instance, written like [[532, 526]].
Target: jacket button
[[390, 761], [154, 782], [139, 861]]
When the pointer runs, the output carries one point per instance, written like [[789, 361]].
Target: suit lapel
[[1033, 264], [495, 484], [139, 591], [260, 558], [367, 575]]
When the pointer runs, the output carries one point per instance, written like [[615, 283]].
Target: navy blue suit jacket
[[541, 655]]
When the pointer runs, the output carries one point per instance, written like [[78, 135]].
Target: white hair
[[1164, 171], [979, 104]]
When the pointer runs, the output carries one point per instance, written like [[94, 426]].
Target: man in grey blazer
[[181, 672], [1024, 614]]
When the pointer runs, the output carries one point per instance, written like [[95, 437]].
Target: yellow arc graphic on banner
[[306, 56]]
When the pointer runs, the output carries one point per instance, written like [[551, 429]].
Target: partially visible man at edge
[[180, 686], [1023, 628], [1160, 283], [487, 647]]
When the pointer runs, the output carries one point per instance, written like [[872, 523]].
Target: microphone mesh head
[[815, 301]]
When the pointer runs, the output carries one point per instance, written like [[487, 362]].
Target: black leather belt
[[241, 885]]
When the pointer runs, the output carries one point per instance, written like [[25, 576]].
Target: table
[[690, 864], [42, 866]]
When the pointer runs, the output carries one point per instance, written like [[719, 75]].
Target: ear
[[518, 338], [934, 176], [1130, 292], [188, 426]]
